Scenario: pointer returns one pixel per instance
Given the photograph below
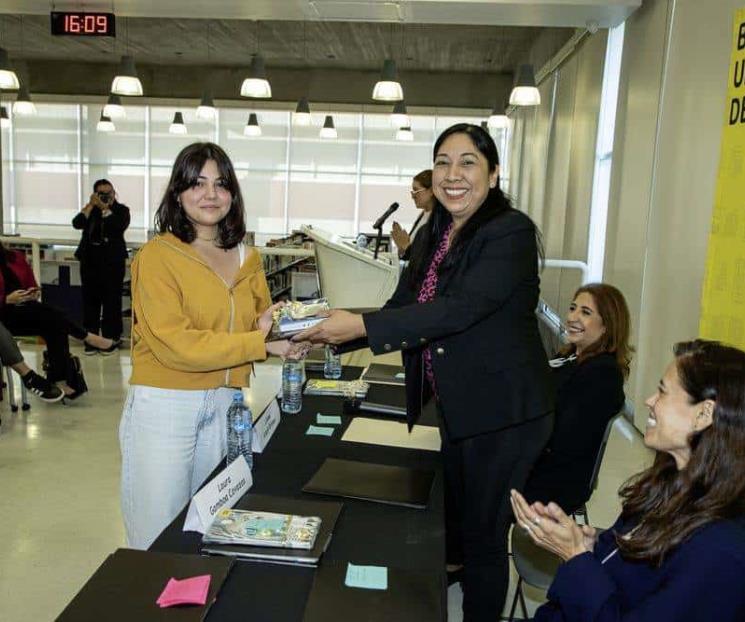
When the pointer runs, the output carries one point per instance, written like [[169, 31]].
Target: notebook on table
[[385, 399], [410, 596], [379, 373], [126, 586], [327, 511], [380, 483]]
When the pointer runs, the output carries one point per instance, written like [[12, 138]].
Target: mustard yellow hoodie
[[189, 329]]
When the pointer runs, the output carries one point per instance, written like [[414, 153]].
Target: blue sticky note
[[315, 430], [367, 577], [328, 419]]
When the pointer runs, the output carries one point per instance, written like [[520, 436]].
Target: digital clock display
[[83, 24]]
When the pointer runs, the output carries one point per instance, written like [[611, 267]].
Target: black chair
[[536, 566]]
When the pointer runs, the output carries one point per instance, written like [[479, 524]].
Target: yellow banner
[[723, 297]]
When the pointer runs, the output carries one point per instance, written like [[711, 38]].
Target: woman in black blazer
[[589, 374], [463, 316], [103, 255]]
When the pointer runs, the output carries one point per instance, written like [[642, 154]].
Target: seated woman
[[11, 356], [677, 552], [23, 314], [589, 374]]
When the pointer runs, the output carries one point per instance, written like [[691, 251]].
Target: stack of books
[[272, 529]]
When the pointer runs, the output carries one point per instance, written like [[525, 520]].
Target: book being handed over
[[297, 316], [263, 529]]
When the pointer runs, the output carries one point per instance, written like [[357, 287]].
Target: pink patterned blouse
[[427, 294]]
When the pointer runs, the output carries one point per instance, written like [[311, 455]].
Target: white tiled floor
[[59, 485]]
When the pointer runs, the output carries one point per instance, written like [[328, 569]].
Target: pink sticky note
[[191, 591]]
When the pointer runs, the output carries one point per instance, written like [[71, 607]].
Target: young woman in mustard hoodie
[[201, 311]]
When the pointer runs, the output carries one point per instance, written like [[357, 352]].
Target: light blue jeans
[[171, 440]]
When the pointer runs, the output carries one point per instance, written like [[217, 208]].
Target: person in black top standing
[[102, 254], [463, 316], [589, 373], [424, 199]]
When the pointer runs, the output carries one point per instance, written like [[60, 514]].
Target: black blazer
[[588, 396], [490, 367], [114, 248]]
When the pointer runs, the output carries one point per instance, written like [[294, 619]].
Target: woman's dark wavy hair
[[495, 204], [616, 318], [171, 216], [670, 505]]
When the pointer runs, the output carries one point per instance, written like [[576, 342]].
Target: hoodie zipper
[[231, 300]]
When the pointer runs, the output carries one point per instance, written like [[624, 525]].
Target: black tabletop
[[366, 533]]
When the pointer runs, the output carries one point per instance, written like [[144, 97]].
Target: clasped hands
[[19, 296], [551, 529]]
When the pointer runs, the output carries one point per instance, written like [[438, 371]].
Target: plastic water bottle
[[292, 386], [240, 430], [332, 365]]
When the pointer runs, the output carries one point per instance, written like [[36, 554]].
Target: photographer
[[102, 254]]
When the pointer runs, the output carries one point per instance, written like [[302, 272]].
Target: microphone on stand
[[379, 222]]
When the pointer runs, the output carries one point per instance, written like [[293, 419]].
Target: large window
[[289, 175]]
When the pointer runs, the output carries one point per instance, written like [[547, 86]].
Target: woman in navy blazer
[[677, 552], [589, 373], [463, 316]]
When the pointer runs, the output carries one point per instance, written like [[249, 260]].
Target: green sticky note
[[367, 577], [328, 419], [314, 430]]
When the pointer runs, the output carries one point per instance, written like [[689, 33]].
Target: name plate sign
[[265, 426], [222, 491]]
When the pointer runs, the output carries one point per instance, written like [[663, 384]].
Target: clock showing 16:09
[[77, 23]]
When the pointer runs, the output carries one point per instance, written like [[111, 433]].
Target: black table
[[366, 533]]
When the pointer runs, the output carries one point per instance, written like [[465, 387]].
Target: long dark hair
[[670, 504], [189, 163], [495, 204], [614, 312]]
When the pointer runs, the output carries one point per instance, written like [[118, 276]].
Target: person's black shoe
[[111, 349], [90, 350], [42, 388]]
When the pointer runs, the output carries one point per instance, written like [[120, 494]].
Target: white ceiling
[[557, 13]]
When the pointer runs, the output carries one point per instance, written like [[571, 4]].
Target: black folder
[[412, 596], [381, 483], [126, 586], [378, 373], [385, 399], [327, 511]]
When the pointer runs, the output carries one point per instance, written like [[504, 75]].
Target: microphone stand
[[377, 240]]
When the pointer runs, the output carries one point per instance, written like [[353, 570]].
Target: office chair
[[536, 566]]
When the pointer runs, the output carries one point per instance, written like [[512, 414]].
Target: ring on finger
[[537, 520]]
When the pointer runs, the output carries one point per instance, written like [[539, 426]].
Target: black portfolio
[[411, 596], [126, 586], [382, 483]]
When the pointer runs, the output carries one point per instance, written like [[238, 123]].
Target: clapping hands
[[550, 528]]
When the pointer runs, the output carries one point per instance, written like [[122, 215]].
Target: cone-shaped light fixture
[[8, 77], [252, 127], [525, 92], [301, 116], [105, 124], [498, 118], [328, 130], [23, 105], [126, 80], [4, 118], [178, 126], [388, 88], [206, 109], [113, 108], [256, 85], [399, 118], [405, 134]]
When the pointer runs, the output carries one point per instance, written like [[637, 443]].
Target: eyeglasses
[[416, 192]]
